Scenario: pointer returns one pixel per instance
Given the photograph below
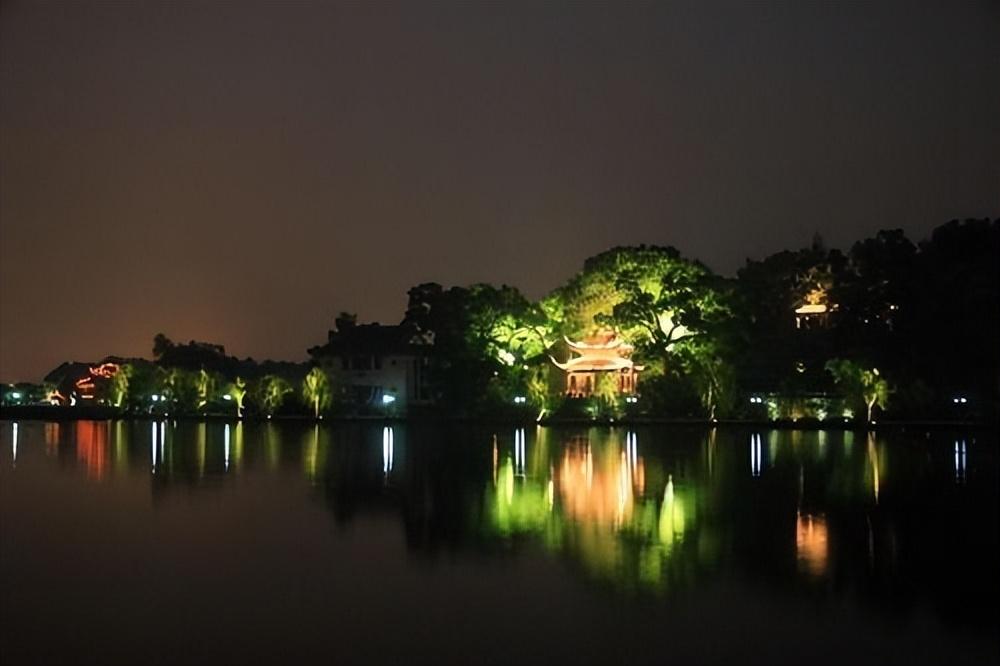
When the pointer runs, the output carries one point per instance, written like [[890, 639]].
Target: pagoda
[[596, 356], [815, 312]]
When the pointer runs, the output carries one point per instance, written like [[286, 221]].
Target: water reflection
[[755, 454], [811, 543], [387, 450], [519, 453], [960, 461], [154, 447], [92, 447], [51, 439], [641, 510], [225, 443]]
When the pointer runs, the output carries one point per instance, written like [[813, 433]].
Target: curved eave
[[613, 343], [586, 365]]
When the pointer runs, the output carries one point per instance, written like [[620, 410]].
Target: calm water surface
[[150, 542]]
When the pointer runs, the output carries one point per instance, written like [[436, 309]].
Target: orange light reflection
[[811, 543], [92, 447]]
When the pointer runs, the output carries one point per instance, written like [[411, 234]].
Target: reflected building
[[594, 506], [52, 439], [598, 494], [627, 510], [92, 447], [811, 543]]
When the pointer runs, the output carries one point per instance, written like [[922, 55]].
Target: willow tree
[[182, 387], [316, 390], [269, 393], [120, 384], [206, 387], [238, 391]]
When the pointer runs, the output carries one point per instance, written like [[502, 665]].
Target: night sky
[[240, 173]]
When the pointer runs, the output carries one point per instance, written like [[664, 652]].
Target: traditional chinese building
[[596, 357], [82, 381], [815, 312]]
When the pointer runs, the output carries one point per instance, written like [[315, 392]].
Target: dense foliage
[[814, 332]]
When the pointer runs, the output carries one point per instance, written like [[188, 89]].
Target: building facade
[[375, 367]]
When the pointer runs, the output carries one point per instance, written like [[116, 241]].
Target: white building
[[375, 366]]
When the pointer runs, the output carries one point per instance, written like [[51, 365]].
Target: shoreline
[[43, 413]]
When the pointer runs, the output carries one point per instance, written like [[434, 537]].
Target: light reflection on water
[[959, 461], [645, 511]]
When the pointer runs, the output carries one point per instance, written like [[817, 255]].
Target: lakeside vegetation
[[888, 329]]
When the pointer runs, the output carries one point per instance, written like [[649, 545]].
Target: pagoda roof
[[584, 364], [811, 308], [611, 341]]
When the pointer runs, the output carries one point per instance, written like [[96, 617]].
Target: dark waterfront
[[156, 542]]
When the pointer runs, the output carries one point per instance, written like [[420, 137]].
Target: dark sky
[[240, 173]]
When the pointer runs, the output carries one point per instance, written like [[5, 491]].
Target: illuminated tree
[[860, 383], [650, 294], [144, 380], [269, 393], [606, 395], [679, 315], [483, 337], [205, 386], [710, 372], [316, 390], [119, 384], [238, 391], [668, 301], [182, 388], [507, 324]]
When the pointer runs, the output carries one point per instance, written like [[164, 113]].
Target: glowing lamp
[[388, 399]]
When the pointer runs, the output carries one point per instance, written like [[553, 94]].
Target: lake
[[163, 542]]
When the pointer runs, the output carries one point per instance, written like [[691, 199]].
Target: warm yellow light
[[811, 543]]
